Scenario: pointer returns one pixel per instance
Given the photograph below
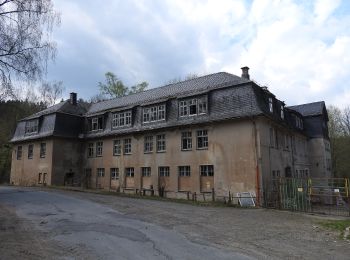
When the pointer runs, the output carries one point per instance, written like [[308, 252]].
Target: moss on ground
[[337, 225]]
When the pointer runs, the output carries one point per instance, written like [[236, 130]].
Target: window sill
[[185, 150], [204, 148], [162, 151], [127, 153], [116, 154], [148, 152]]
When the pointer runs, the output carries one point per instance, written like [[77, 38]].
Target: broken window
[[31, 126], [100, 172], [202, 139], [42, 150], [193, 107], [30, 151], [96, 123], [146, 171], [207, 170], [164, 171], [186, 140], [99, 148], [19, 152], [271, 104], [127, 146], [161, 145], [148, 144], [114, 173], [129, 172], [184, 171], [183, 108], [117, 147], [91, 150]]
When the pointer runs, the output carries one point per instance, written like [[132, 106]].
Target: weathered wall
[[67, 157], [320, 157], [26, 171], [231, 150]]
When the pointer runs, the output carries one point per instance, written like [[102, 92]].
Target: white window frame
[[100, 172], [148, 144], [161, 142], [146, 171], [186, 136], [117, 147], [184, 171], [206, 170], [99, 149], [121, 119], [129, 172], [127, 146], [203, 135], [114, 173], [164, 171]]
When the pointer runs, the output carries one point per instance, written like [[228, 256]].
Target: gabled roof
[[310, 109], [63, 107], [187, 87]]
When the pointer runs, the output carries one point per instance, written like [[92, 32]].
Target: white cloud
[[301, 50]]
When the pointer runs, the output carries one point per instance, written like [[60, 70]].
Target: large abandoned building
[[218, 132]]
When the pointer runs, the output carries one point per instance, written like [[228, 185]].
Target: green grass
[[337, 225]]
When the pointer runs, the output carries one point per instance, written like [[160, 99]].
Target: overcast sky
[[299, 49]]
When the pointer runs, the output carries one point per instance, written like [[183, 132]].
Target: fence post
[[213, 194]]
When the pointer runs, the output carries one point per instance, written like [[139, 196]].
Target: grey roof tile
[[309, 109], [208, 82]]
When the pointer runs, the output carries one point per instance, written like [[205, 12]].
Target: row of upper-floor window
[[30, 152], [156, 113], [125, 145], [288, 142], [298, 121], [163, 171]]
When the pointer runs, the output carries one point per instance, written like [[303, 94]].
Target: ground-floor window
[[100, 172], [146, 171], [129, 172], [184, 171], [207, 170], [164, 171], [114, 173]]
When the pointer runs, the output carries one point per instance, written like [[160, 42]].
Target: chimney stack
[[73, 98], [245, 72]]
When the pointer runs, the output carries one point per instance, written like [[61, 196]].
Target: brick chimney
[[245, 72], [73, 98]]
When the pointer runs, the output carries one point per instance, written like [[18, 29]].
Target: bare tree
[[25, 44], [51, 92], [179, 79]]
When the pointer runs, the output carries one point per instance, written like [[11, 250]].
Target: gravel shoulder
[[259, 233]]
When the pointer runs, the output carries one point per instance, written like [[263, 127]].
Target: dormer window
[[96, 123], [32, 126], [282, 111], [121, 119], [193, 107], [153, 113], [271, 104]]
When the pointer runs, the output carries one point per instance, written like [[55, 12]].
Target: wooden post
[[213, 194]]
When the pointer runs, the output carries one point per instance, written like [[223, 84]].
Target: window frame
[[271, 104], [184, 171], [100, 172], [204, 139], [91, 150], [146, 171], [148, 144], [121, 119], [99, 149], [117, 147], [164, 171], [114, 172], [154, 113], [129, 172], [31, 126], [30, 151], [206, 170], [42, 150], [19, 153], [127, 142], [161, 143], [187, 139]]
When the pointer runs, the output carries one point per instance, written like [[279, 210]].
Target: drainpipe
[[257, 158]]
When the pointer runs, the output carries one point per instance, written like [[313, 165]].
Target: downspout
[[257, 159]]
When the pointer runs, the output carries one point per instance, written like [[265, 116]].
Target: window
[[148, 146], [121, 119], [117, 147], [114, 173], [186, 140], [202, 139], [31, 126], [146, 171], [100, 172], [161, 146], [44, 177], [164, 171], [42, 150], [96, 123], [19, 152], [282, 112], [207, 170], [129, 172], [99, 149], [192, 107], [30, 151], [127, 146], [39, 178], [184, 171], [154, 113], [271, 104], [91, 150]]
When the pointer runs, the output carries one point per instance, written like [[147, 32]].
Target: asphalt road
[[60, 226]]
